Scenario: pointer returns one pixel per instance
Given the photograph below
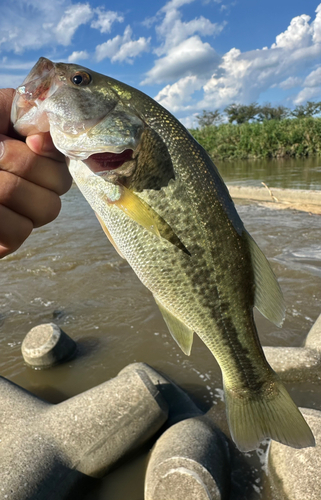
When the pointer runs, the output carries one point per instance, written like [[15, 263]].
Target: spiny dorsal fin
[[268, 298], [180, 332]]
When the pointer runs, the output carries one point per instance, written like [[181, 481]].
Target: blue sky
[[189, 55]]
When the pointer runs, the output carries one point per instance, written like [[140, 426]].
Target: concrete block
[[46, 449], [189, 461], [295, 474], [297, 364], [180, 405], [47, 345]]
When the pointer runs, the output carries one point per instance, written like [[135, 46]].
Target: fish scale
[[169, 213]]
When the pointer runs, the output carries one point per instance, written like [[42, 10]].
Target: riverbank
[[297, 199], [297, 137]]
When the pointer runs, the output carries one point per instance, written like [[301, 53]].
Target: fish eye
[[81, 78]]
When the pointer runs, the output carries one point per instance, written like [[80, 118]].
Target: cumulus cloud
[[244, 76], [122, 48], [105, 20], [176, 97], [182, 49], [299, 34], [78, 56], [317, 26], [74, 16], [191, 56], [172, 30]]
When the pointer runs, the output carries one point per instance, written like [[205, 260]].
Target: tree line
[[240, 113]]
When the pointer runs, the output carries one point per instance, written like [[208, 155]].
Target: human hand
[[33, 175]]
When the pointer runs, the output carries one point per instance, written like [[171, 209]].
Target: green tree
[[308, 109], [208, 118], [268, 112], [240, 113]]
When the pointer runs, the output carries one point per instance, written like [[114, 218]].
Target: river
[[68, 273]]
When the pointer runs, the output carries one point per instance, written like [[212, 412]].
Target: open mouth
[[105, 162]]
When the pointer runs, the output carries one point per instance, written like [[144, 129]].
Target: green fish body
[[167, 211]]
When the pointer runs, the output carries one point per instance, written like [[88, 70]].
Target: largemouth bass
[[164, 207]]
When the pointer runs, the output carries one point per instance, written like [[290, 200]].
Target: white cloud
[[175, 97], [182, 49], [11, 81], [73, 17], [122, 48], [191, 56], [105, 20], [15, 65], [299, 34], [311, 87], [189, 121], [317, 26], [291, 82], [245, 77], [307, 94], [78, 56], [172, 30], [33, 24], [314, 78]]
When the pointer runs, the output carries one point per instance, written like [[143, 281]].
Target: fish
[[165, 208]]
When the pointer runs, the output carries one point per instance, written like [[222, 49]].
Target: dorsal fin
[[181, 333], [268, 298]]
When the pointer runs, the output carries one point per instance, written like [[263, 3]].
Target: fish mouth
[[106, 163]]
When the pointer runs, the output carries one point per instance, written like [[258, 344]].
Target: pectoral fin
[[138, 210], [268, 298], [181, 333], [109, 236]]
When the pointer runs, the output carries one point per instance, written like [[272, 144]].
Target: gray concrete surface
[[180, 405], [47, 345], [46, 449], [295, 474], [189, 461], [297, 364], [299, 196]]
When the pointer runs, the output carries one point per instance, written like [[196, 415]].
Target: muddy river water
[[69, 274]]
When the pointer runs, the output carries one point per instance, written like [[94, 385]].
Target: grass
[[296, 137]]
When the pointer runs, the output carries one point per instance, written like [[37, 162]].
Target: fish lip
[[35, 86]]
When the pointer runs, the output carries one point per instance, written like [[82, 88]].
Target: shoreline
[[279, 198]]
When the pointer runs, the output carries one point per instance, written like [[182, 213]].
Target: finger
[[42, 145], [17, 159], [14, 230], [6, 96], [38, 204]]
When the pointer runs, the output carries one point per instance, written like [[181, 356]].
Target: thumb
[[42, 145]]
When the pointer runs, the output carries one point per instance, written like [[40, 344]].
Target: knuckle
[[16, 157], [9, 184]]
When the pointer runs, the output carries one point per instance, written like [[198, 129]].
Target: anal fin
[[181, 333]]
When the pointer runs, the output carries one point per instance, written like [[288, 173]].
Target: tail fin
[[270, 413]]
